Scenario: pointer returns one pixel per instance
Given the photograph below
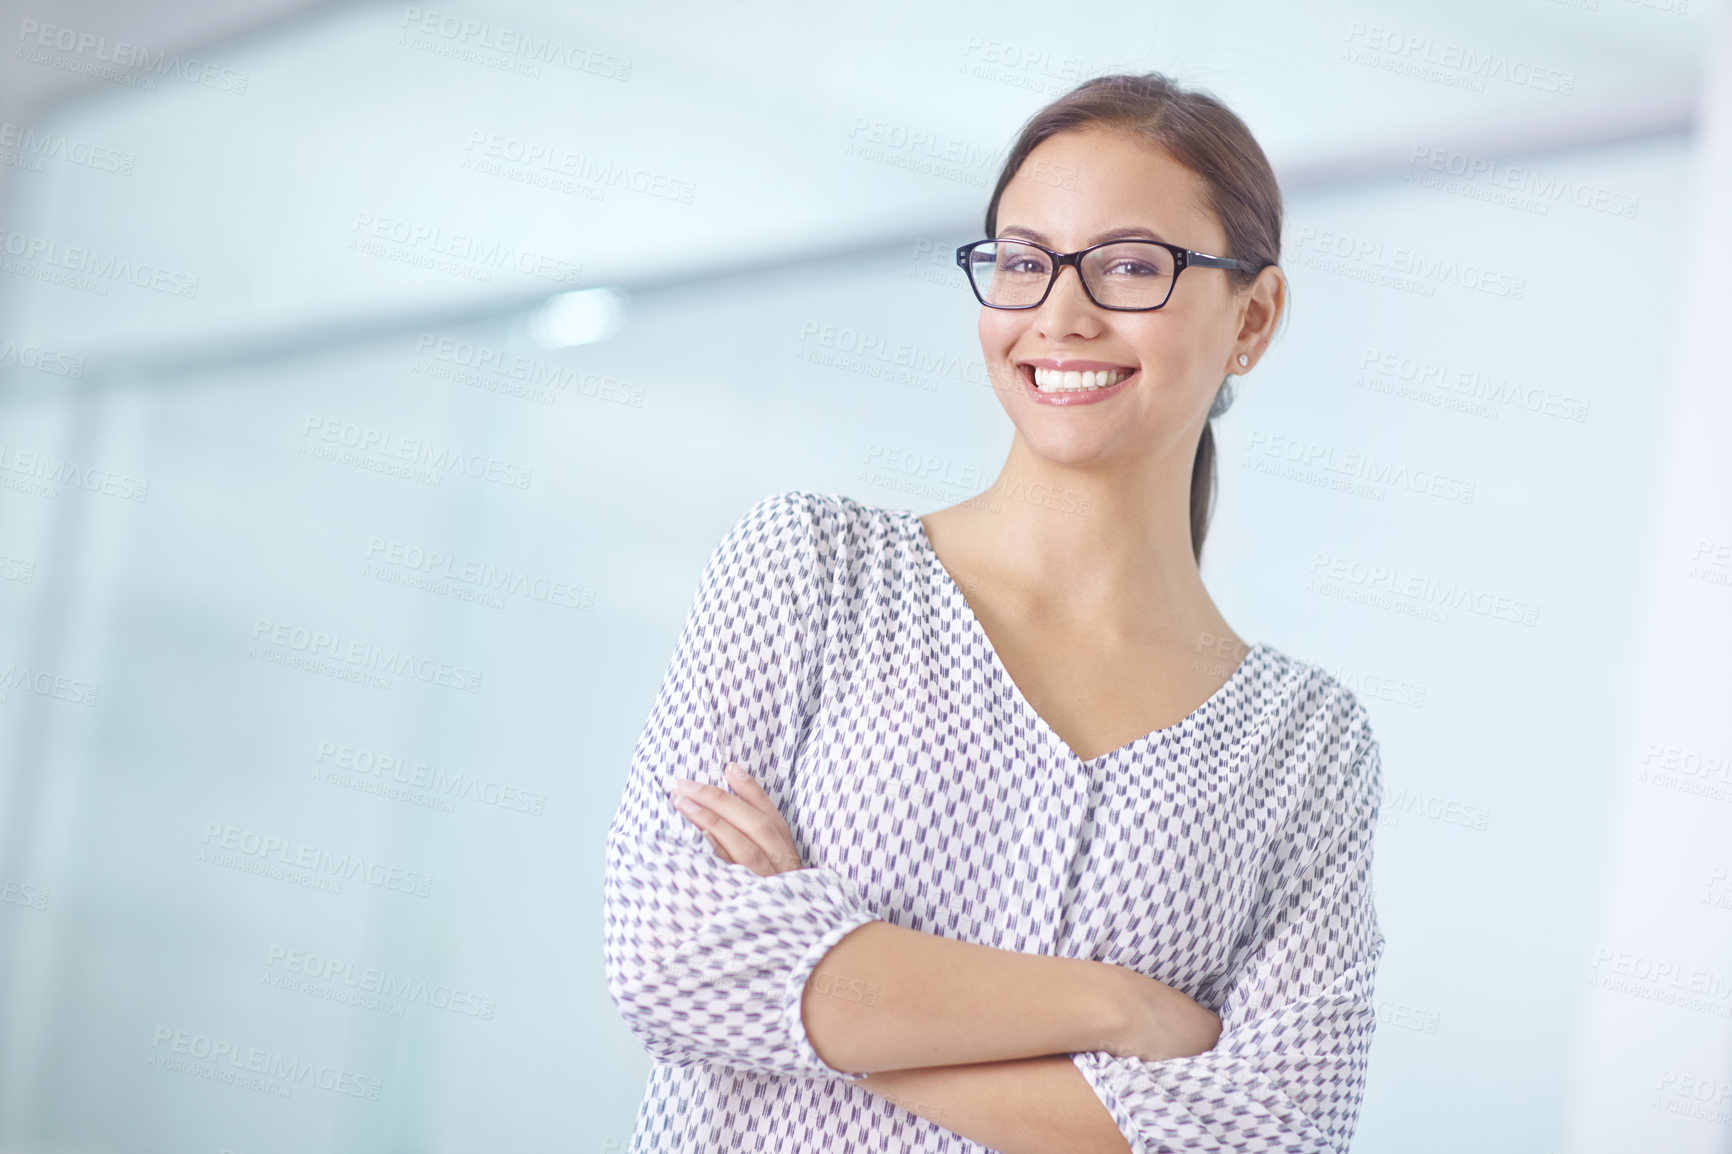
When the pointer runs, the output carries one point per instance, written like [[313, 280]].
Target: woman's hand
[[1160, 1022], [742, 827]]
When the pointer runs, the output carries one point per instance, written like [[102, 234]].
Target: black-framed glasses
[[1122, 275]]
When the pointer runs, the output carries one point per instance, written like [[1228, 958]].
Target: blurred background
[[375, 380]]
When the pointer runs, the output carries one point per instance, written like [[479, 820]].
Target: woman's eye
[[1130, 268]]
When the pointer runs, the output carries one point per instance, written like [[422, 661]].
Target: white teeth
[[1053, 381]]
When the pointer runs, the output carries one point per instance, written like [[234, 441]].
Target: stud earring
[[1244, 360]]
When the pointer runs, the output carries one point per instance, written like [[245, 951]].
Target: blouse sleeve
[[1288, 1071], [706, 960]]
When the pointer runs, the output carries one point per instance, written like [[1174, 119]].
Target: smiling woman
[[1056, 863]]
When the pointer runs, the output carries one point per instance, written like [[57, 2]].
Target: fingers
[[748, 788], [743, 828], [718, 831], [732, 844], [764, 828]]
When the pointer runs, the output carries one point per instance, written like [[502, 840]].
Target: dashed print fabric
[[1229, 855]]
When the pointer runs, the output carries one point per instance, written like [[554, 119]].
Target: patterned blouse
[[1228, 855]]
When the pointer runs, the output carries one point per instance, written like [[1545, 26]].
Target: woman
[[1058, 863]]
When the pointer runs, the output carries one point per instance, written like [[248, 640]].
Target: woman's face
[[1078, 188]]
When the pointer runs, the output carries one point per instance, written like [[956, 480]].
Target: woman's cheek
[[998, 332]]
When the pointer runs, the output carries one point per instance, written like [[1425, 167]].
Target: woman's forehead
[[1082, 185]]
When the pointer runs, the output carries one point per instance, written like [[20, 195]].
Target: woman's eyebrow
[[1131, 232]]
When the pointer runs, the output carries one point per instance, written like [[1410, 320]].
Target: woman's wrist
[[1151, 1020], [1112, 1019]]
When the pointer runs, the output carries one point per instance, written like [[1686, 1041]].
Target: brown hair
[[1206, 137]]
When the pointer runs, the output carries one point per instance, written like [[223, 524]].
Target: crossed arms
[[970, 1037]]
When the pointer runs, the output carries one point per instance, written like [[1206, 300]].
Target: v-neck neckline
[[923, 543]]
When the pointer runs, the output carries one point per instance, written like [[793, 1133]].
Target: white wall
[[1654, 1069]]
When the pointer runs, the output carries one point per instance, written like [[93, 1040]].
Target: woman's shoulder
[[805, 527], [807, 505], [810, 547], [1316, 726], [1310, 685], [810, 503]]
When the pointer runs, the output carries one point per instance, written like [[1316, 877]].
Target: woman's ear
[[1264, 304]]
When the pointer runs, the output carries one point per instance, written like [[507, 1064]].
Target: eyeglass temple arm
[[1204, 260]]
